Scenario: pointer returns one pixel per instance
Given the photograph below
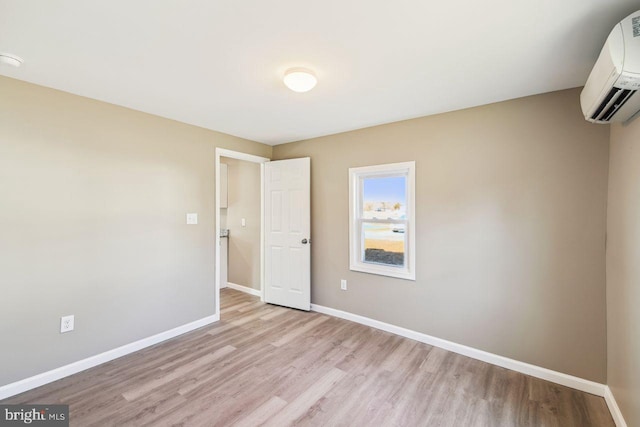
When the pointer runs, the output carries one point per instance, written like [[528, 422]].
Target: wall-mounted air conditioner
[[610, 92]]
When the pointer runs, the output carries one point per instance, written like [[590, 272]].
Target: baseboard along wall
[[515, 365], [27, 384], [613, 408], [244, 289], [577, 383]]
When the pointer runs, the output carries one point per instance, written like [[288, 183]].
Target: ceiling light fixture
[[300, 79], [8, 59]]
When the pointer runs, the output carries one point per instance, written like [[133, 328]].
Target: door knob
[[305, 241]]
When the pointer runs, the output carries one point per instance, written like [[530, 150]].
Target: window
[[382, 220]]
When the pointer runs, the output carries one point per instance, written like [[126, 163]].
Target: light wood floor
[[267, 365]]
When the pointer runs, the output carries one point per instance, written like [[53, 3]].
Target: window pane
[[384, 243], [381, 220], [384, 198]]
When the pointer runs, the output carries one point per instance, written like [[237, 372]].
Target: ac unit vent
[[614, 100], [608, 95]]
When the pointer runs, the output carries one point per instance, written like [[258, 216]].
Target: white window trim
[[356, 239]]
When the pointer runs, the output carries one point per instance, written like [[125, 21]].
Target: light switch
[[244, 222], [192, 218]]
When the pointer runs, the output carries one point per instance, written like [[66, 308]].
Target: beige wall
[[511, 204], [510, 200], [93, 200], [623, 270], [243, 202]]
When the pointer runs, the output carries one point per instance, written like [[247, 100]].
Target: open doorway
[[239, 222]]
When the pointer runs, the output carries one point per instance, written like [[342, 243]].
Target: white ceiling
[[219, 64]]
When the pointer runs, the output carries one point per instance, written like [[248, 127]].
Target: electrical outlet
[[343, 284], [66, 324]]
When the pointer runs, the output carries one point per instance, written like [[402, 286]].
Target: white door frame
[[222, 152]]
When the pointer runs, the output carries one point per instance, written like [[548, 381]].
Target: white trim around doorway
[[222, 152]]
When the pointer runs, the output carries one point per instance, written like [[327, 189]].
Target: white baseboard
[[613, 408], [244, 289], [515, 365], [64, 371], [581, 384]]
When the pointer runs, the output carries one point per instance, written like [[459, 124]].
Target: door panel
[[288, 213]]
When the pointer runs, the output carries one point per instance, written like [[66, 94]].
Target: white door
[[287, 238]]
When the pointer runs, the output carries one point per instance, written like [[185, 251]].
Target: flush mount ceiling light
[[300, 79], [8, 59]]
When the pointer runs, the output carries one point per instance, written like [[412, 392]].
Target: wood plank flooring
[[272, 366]]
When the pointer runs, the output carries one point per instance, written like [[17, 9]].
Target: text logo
[[34, 415]]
